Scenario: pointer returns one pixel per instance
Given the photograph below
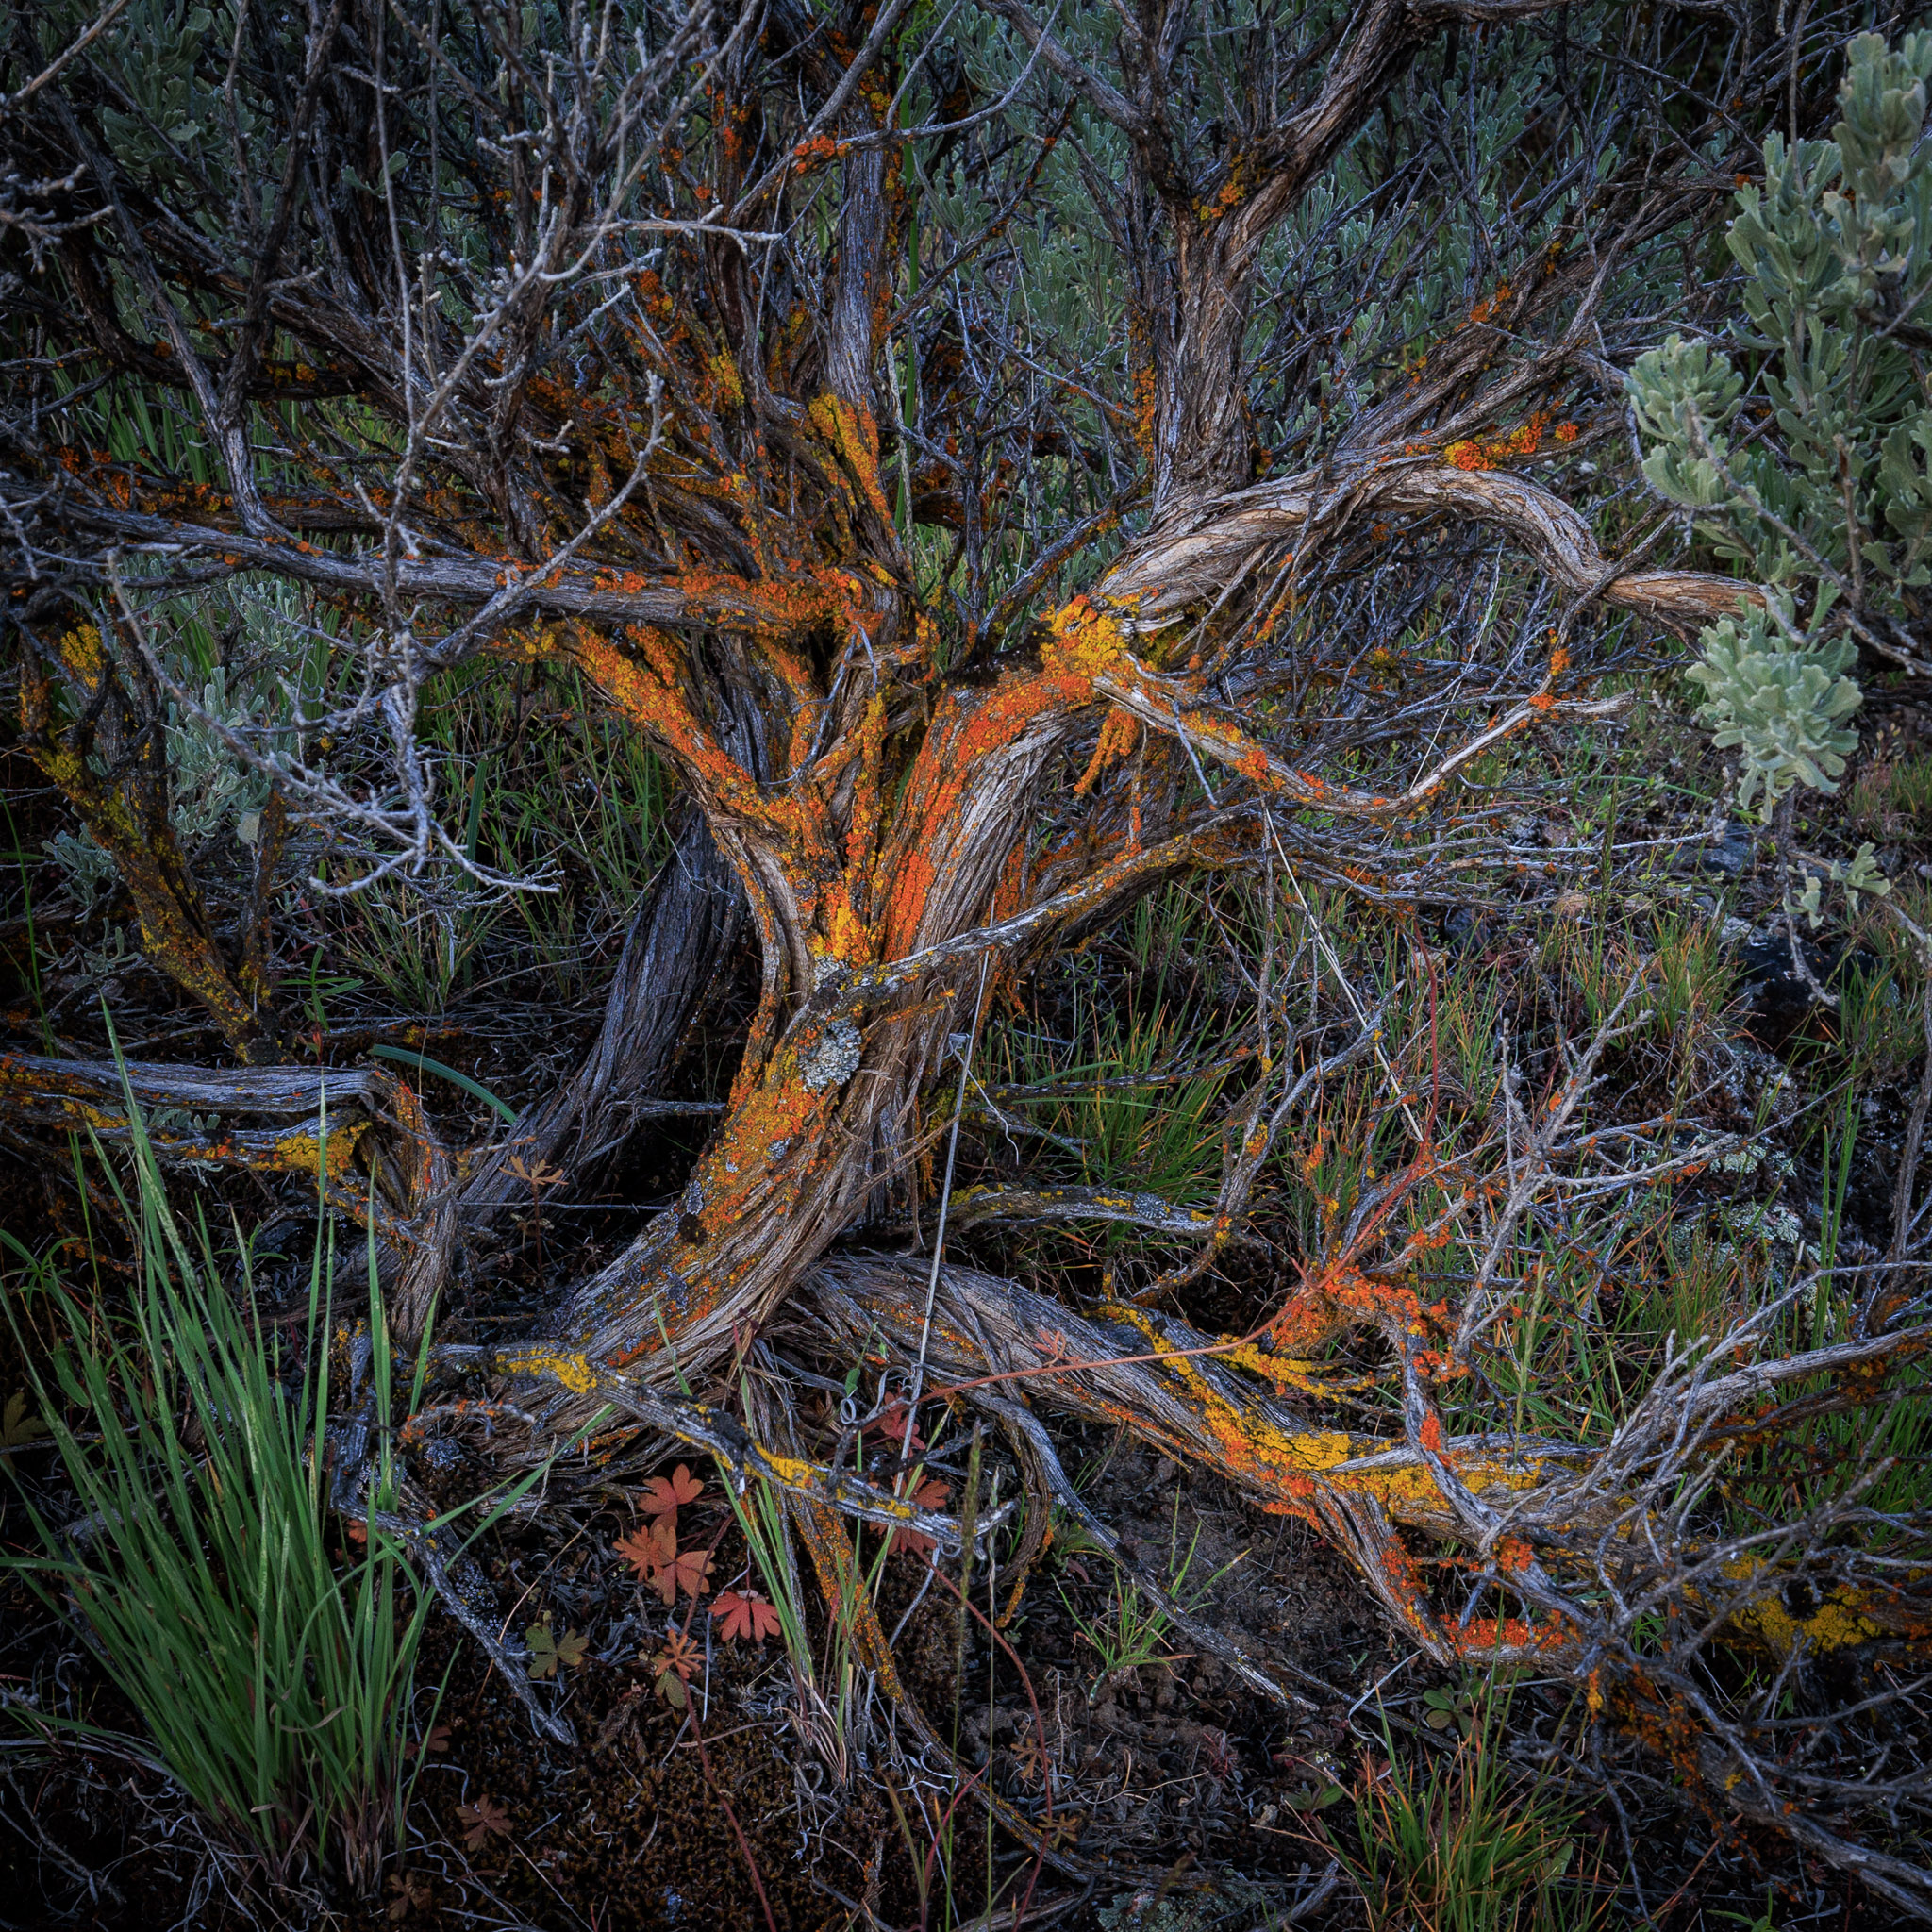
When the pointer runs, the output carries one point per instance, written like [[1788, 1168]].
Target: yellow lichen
[[1836, 1624], [1083, 640], [305, 1153], [571, 1370]]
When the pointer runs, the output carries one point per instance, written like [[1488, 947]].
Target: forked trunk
[[826, 1123]]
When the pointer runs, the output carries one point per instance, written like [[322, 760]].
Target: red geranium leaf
[[688, 1572], [745, 1614], [895, 1419], [647, 1551], [484, 1816], [664, 1494], [928, 1495], [653, 1553], [674, 1665], [680, 1654]]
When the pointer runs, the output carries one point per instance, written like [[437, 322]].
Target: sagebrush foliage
[[1803, 453]]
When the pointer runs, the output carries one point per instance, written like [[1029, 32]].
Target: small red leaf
[[664, 1494], [928, 1495], [687, 1572], [647, 1551], [484, 1816], [745, 1614], [653, 1553], [895, 1419], [412, 1894], [674, 1665]]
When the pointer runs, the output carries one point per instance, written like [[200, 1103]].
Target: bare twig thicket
[[1002, 461]]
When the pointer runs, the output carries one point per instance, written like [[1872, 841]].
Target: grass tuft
[[274, 1678], [1464, 1844]]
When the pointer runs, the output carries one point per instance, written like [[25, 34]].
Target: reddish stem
[[1039, 1731], [750, 1864]]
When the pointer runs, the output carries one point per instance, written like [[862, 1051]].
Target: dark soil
[[1187, 1793]]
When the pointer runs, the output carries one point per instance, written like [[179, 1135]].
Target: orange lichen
[[1231, 195], [1489, 304], [1118, 733], [1509, 1635], [854, 434], [861, 836], [1489, 453]]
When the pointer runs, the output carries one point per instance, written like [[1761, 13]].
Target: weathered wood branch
[[606, 592], [1189, 562]]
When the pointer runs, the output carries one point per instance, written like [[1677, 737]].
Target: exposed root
[[1522, 1503], [1049, 1837], [715, 1431], [468, 1599]]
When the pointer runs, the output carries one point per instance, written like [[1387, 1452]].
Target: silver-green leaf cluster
[[1781, 709], [1802, 450]]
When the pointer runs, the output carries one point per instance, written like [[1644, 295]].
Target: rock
[[1780, 996], [1731, 851]]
